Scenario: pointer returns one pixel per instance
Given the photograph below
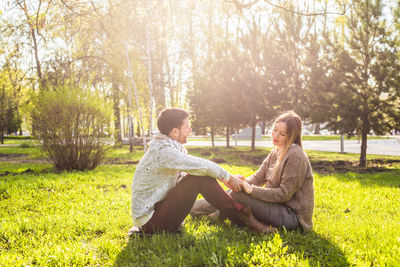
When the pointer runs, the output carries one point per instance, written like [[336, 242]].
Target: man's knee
[[197, 178]]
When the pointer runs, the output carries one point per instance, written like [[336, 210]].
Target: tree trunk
[[253, 136], [160, 98], [38, 67], [160, 95], [317, 129], [117, 115], [137, 103], [3, 115], [192, 47], [170, 72], [363, 155], [33, 32], [149, 71], [123, 122], [227, 136], [341, 143], [212, 136], [131, 134], [171, 90], [138, 130]]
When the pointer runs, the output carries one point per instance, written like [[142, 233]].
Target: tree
[[284, 60], [9, 119], [254, 77], [227, 78], [35, 19], [202, 96], [366, 76], [204, 104]]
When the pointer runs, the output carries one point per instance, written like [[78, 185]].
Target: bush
[[70, 124]]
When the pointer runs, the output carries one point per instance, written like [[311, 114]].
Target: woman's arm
[[292, 178], [258, 178]]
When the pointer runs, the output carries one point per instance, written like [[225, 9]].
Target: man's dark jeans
[[170, 213]]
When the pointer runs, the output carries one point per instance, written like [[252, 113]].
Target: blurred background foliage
[[231, 63]]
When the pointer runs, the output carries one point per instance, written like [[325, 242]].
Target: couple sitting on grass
[[167, 182]]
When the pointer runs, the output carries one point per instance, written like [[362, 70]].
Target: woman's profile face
[[279, 134]]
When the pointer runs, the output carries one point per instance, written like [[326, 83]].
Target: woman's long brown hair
[[293, 133]]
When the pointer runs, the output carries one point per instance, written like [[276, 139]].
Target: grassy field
[[82, 218]]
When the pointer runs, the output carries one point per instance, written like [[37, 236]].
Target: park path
[[375, 146]]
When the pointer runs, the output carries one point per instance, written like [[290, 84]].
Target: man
[[167, 181]]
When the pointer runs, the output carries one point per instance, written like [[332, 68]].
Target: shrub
[[70, 124]]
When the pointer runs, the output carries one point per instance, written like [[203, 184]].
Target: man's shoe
[[215, 215], [248, 219], [137, 231], [134, 231]]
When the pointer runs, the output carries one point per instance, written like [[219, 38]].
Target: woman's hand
[[248, 188], [235, 183]]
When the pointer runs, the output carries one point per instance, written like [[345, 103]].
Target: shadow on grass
[[21, 169], [316, 248], [230, 246]]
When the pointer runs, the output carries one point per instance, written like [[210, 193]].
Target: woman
[[281, 192]]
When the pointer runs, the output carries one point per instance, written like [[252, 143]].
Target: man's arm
[[173, 159]]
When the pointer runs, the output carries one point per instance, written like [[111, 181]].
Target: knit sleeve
[[292, 178], [174, 159], [258, 178]]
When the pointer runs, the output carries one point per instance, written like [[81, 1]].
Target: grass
[[27, 153], [19, 141], [82, 218]]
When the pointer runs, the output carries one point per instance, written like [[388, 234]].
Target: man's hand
[[235, 183], [241, 177], [248, 188]]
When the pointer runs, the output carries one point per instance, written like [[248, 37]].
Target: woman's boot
[[248, 219]]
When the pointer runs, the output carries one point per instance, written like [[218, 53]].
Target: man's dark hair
[[171, 118]]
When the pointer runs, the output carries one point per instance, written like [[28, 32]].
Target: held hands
[[238, 182], [235, 182]]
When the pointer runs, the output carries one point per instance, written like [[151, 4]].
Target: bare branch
[[11, 8], [241, 6], [70, 8], [37, 16]]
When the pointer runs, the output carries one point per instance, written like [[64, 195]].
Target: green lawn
[[82, 218]]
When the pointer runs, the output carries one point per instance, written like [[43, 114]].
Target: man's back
[[158, 172]]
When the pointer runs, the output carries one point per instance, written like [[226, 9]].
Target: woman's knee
[[241, 197]]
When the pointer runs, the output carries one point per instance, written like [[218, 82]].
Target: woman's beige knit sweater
[[291, 184]]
